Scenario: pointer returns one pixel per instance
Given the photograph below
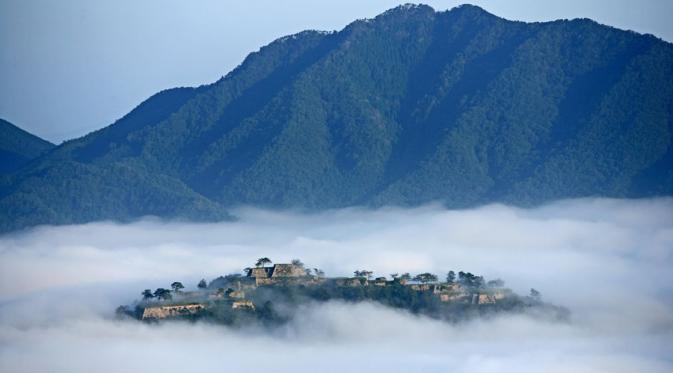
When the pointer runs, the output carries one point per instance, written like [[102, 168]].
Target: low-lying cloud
[[609, 261]]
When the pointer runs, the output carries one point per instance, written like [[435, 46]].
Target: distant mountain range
[[18, 147], [409, 107]]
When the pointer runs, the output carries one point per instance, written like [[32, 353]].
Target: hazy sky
[[69, 67]]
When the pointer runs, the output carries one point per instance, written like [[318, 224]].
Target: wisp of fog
[[608, 261]]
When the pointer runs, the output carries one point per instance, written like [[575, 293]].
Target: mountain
[[18, 147], [409, 107]]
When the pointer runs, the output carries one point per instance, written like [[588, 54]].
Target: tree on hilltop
[[425, 277], [177, 286], [147, 294], [364, 273], [467, 279], [162, 294]]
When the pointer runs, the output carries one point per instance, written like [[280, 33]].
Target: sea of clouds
[[608, 261]]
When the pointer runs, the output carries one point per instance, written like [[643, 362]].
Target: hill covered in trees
[[18, 147], [409, 107]]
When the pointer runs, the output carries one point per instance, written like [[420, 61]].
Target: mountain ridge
[[409, 107], [18, 147]]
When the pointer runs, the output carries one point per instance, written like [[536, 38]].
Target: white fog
[[608, 261]]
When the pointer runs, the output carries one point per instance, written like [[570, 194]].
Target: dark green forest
[[413, 106]]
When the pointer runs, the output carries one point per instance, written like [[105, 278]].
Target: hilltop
[[274, 294], [409, 107]]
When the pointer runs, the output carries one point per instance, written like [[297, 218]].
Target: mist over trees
[[277, 298], [621, 248]]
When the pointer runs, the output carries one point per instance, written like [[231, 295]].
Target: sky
[[73, 66], [607, 260]]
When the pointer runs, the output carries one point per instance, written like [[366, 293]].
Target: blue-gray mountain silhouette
[[409, 107]]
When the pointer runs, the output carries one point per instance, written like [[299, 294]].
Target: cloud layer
[[609, 261]]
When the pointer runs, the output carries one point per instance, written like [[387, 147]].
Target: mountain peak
[[411, 107], [470, 10], [407, 10], [411, 7]]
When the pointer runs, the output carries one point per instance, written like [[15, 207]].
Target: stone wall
[[162, 312], [485, 299], [259, 272], [305, 280], [287, 270], [243, 304], [237, 294], [452, 297], [351, 281]]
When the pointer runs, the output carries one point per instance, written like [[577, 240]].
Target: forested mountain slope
[[18, 147], [409, 107]]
